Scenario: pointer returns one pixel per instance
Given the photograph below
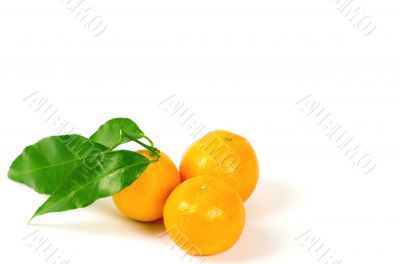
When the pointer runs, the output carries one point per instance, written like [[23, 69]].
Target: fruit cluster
[[201, 204]]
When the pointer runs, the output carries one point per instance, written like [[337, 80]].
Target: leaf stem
[[149, 140], [151, 148]]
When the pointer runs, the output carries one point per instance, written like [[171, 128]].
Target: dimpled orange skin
[[204, 215], [225, 155], [144, 199]]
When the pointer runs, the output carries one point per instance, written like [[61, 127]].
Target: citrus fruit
[[144, 199], [226, 155], [204, 215]]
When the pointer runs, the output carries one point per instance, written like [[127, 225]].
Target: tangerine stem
[[151, 148]]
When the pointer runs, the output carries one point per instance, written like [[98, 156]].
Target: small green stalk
[[151, 148]]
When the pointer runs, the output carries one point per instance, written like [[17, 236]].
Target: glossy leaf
[[117, 170], [117, 131], [44, 165]]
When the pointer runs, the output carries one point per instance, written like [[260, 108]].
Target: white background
[[239, 66]]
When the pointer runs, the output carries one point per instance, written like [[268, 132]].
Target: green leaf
[[117, 131], [117, 170], [44, 165]]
